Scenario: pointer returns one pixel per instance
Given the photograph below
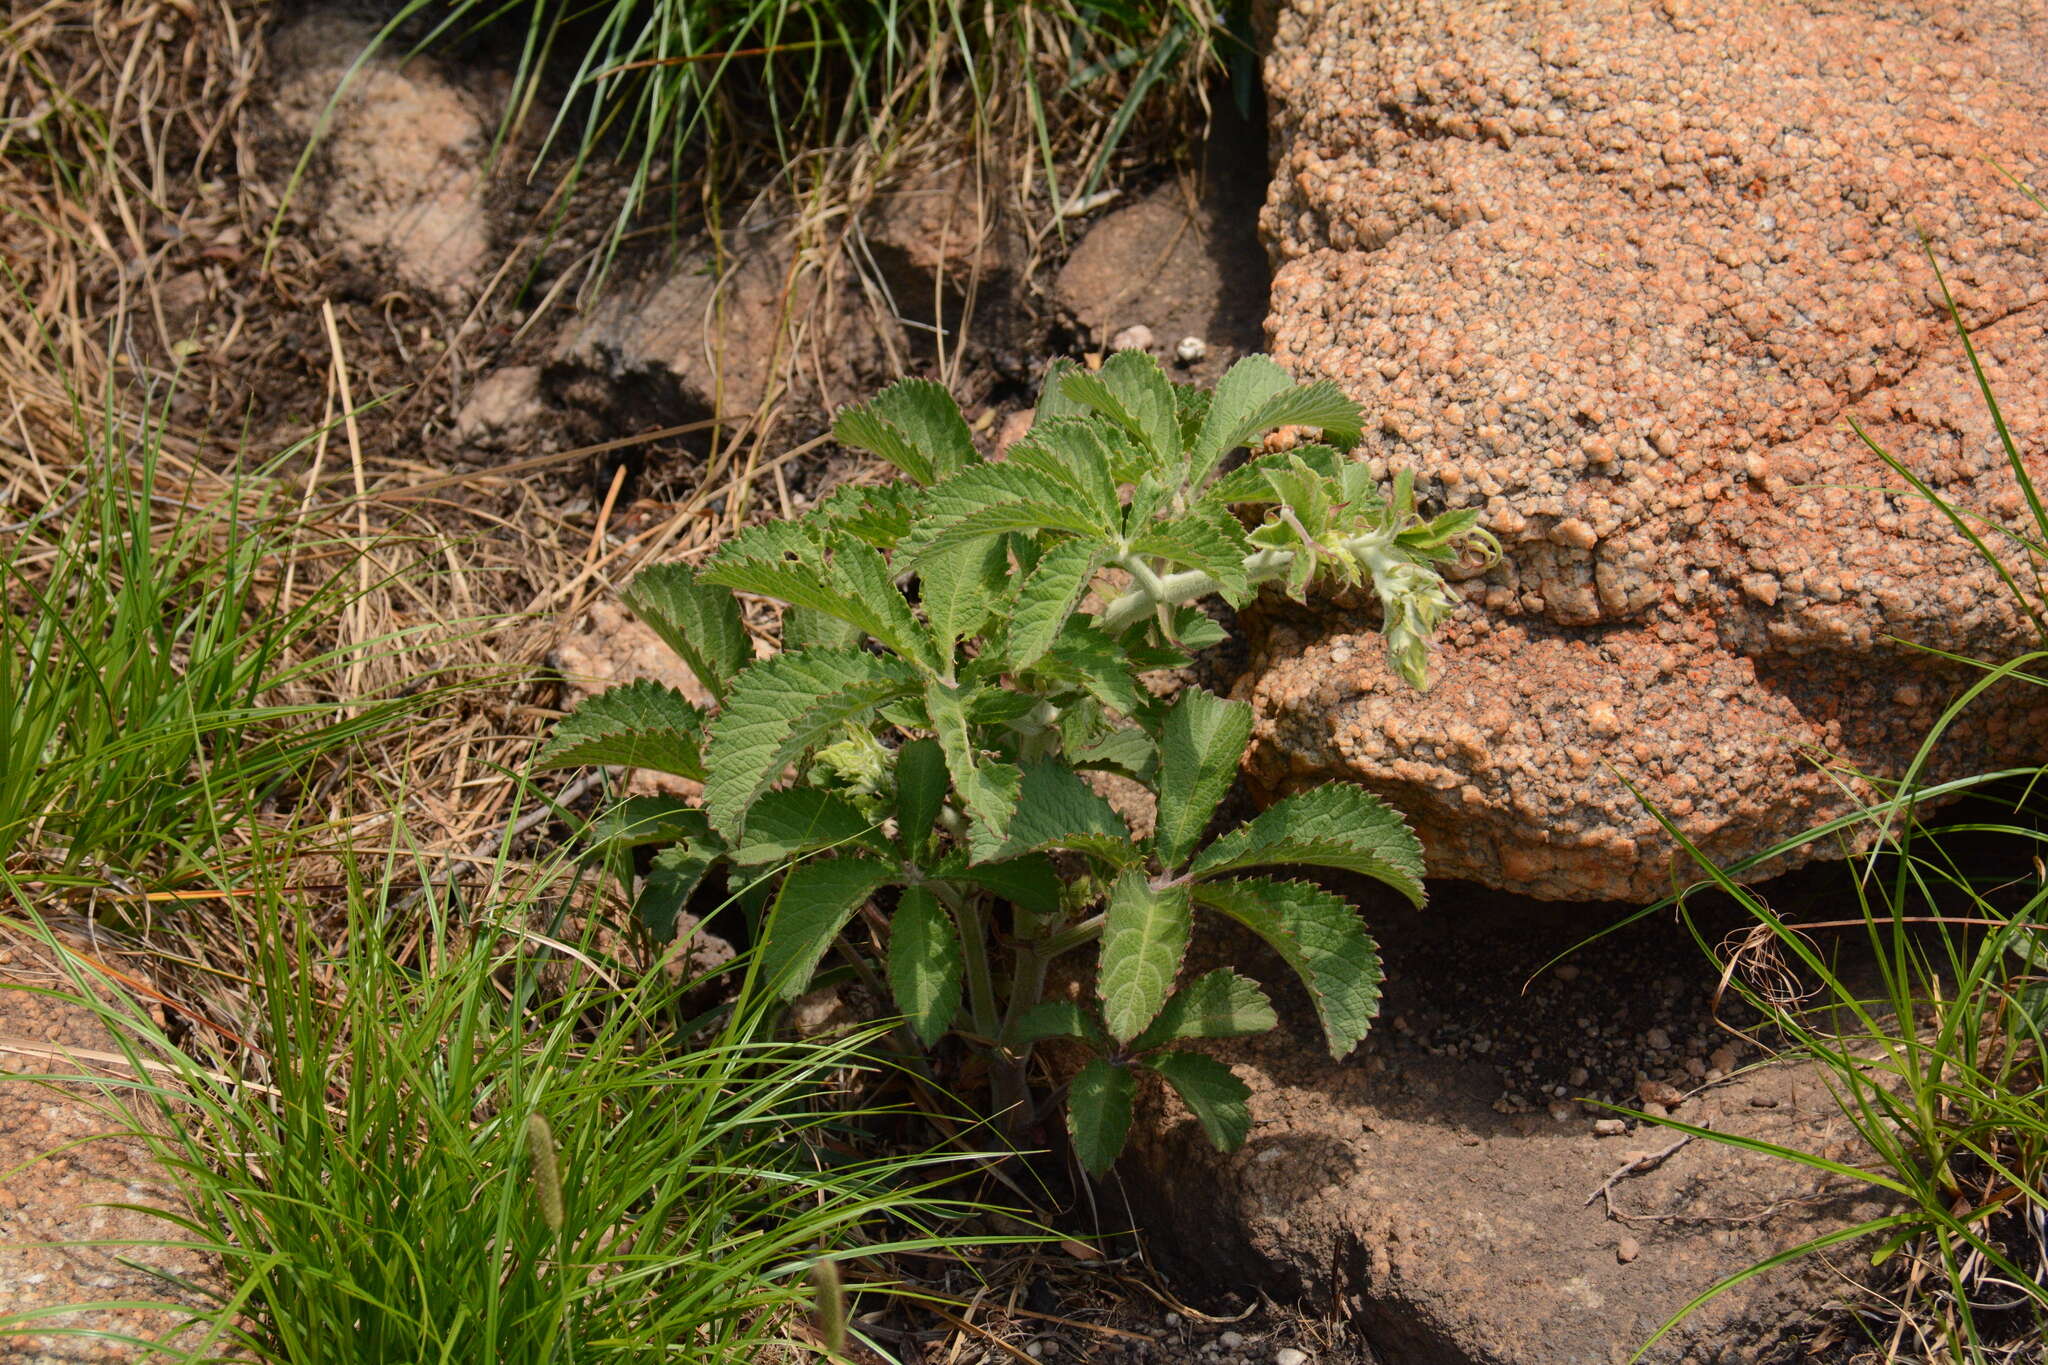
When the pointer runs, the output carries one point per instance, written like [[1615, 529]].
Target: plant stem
[[1175, 589], [981, 988]]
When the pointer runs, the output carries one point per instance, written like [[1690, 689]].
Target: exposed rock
[[502, 409], [1615, 273], [609, 648], [398, 176], [703, 337], [1166, 267]]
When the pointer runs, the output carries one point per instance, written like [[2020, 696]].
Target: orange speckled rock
[[1616, 273]]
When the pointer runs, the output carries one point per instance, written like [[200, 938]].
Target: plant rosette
[[915, 756]]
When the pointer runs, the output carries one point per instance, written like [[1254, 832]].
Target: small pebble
[[1034, 1349], [1722, 1059], [1172, 1318], [1289, 1356], [1627, 1249], [1563, 1111], [1763, 1101], [1230, 1341], [1609, 1127], [1658, 1039], [1567, 972], [1133, 338], [1191, 350]]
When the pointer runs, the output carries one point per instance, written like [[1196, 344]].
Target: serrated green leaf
[[642, 724], [639, 821], [674, 876], [1207, 538], [995, 499], [1085, 656], [1144, 938], [1143, 391], [853, 584], [1248, 484], [786, 824], [878, 514], [1031, 882], [860, 427], [1099, 1114], [1199, 750], [1053, 403], [921, 787], [803, 628], [1338, 826], [959, 587], [927, 414], [988, 790], [1195, 629], [1257, 396], [1218, 1004], [1054, 1019], [1220, 1102], [1319, 935], [1047, 599], [1126, 750], [700, 623], [818, 897], [924, 964], [1055, 809], [783, 706], [1083, 455], [1131, 391]]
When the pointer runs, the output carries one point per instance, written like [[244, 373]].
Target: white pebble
[[1134, 338], [1289, 1356], [1034, 1349], [1658, 1039], [1230, 1341], [1190, 350]]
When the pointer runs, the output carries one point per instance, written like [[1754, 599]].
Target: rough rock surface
[[1615, 273], [399, 176], [1438, 1191]]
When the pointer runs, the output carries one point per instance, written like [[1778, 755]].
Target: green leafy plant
[[960, 650]]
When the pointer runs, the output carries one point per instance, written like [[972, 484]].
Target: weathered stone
[[1615, 274], [398, 176]]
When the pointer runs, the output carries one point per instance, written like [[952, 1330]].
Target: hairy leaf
[[1207, 538], [1199, 750], [1220, 1102], [876, 515], [1054, 1019], [671, 880], [1055, 809], [1319, 935], [1218, 1004], [1129, 751], [927, 414], [1338, 826], [1048, 598], [959, 587], [1083, 455], [785, 824], [991, 499], [641, 820], [921, 787], [1248, 482], [988, 790], [1256, 396], [1143, 392], [855, 585], [700, 623], [1030, 883], [1087, 657], [1099, 1114], [1144, 938], [782, 706], [643, 724], [818, 897], [860, 427], [924, 964]]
